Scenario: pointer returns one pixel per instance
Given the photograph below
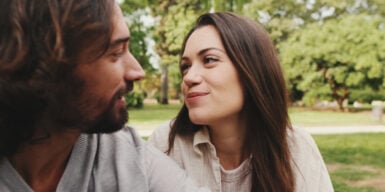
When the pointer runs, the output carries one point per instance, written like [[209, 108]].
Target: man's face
[[106, 81]]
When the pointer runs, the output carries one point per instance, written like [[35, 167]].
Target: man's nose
[[134, 70]]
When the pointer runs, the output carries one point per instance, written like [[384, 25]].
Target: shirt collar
[[202, 136]]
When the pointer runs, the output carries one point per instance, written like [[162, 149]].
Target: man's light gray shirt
[[110, 162]]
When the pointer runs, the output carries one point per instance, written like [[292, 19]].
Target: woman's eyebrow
[[203, 51]]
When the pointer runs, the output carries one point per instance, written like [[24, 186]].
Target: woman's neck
[[229, 140]]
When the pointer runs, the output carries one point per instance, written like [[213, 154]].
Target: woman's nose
[[192, 76]]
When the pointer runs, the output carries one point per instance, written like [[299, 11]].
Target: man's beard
[[108, 121], [79, 111]]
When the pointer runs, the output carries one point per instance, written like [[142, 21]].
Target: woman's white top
[[197, 155]]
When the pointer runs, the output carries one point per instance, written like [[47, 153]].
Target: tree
[[139, 35], [281, 18], [169, 36], [173, 18], [327, 60]]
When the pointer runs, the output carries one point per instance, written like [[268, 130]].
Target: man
[[64, 70]]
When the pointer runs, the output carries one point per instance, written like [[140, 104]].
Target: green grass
[[357, 156], [353, 174], [154, 112], [353, 149], [305, 117], [343, 187], [152, 115]]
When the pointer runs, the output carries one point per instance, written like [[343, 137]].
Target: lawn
[[356, 162], [152, 115], [306, 117]]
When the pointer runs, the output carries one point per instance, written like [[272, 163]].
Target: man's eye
[[117, 53]]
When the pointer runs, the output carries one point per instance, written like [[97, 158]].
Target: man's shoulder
[[123, 147], [130, 135], [116, 160], [127, 136], [123, 144]]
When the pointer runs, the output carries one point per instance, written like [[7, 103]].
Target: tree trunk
[[340, 102], [164, 85]]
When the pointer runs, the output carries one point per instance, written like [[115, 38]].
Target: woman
[[233, 132]]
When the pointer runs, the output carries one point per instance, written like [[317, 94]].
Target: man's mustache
[[124, 90]]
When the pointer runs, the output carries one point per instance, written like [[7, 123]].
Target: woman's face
[[211, 87]]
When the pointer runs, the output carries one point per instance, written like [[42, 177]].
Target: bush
[[135, 99], [157, 96], [366, 96]]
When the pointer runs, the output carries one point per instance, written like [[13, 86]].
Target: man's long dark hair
[[40, 43], [266, 104]]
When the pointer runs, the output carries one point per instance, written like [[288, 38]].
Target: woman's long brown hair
[[266, 103]]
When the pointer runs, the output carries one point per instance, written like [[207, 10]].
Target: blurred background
[[333, 56]]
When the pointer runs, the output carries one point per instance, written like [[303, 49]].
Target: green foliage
[[138, 44], [135, 99], [228, 5], [170, 42], [366, 95], [321, 93], [151, 84], [285, 21], [341, 54], [281, 18], [169, 34]]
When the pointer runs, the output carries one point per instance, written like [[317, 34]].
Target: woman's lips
[[193, 97], [196, 94]]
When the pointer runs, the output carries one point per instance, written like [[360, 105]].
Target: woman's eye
[[184, 67], [209, 59]]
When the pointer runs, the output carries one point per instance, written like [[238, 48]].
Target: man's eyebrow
[[119, 41]]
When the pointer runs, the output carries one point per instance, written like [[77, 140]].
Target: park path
[[345, 129], [315, 130]]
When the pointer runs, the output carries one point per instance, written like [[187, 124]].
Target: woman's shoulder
[[162, 131], [159, 137], [299, 138], [309, 167], [304, 150]]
